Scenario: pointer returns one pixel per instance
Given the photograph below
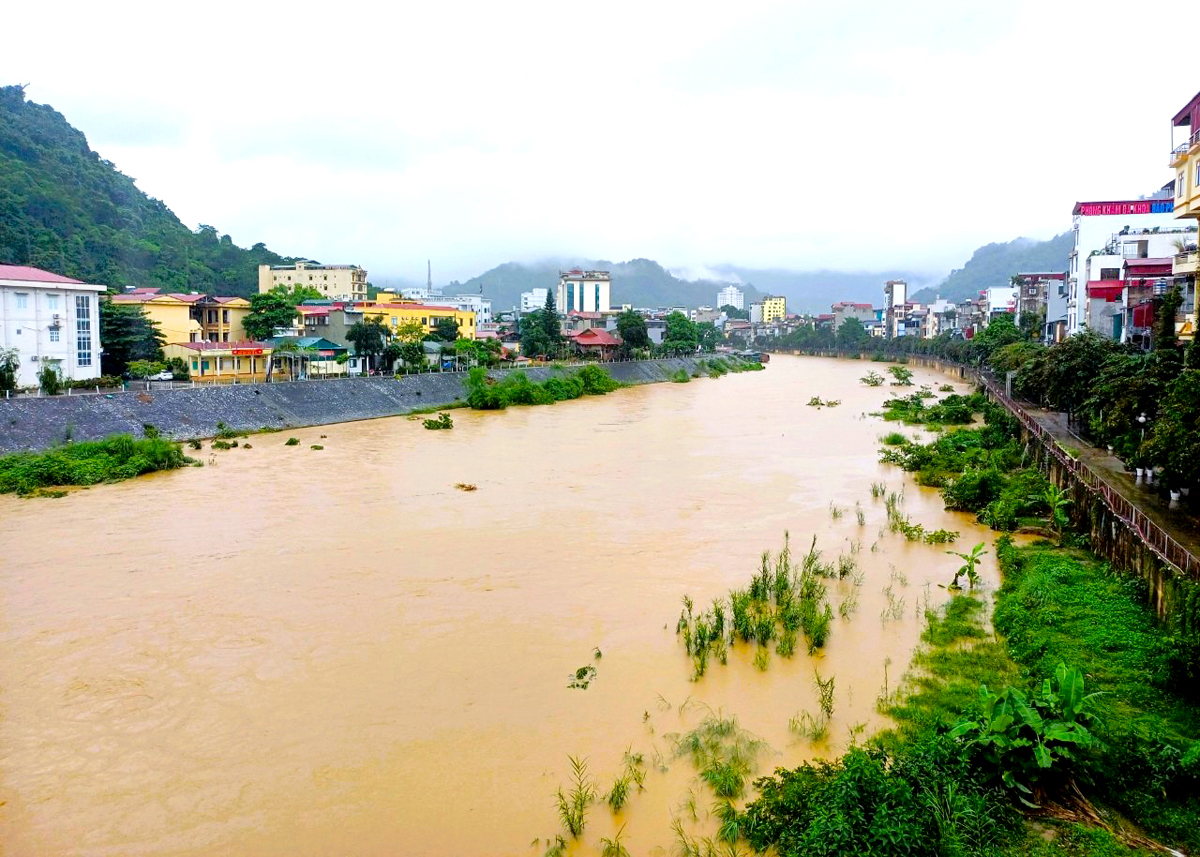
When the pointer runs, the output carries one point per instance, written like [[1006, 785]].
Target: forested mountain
[[641, 282], [65, 209], [994, 265]]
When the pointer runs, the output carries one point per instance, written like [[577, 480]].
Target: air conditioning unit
[[33, 358], [56, 320]]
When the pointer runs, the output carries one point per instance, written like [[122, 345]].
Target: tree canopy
[[680, 336], [852, 335], [65, 209], [369, 337], [127, 334], [632, 328]]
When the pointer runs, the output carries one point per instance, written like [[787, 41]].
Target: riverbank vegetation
[[489, 394], [113, 459], [1069, 733]]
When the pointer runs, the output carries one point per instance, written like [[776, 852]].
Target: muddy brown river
[[301, 652]]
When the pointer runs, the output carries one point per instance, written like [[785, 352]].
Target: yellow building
[[348, 282], [223, 362], [1185, 160], [221, 318], [395, 314], [773, 308], [172, 313]]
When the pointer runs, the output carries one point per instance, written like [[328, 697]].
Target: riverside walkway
[[1172, 533]]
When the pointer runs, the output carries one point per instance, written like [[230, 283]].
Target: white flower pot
[[1174, 496], [1185, 491], [1140, 473]]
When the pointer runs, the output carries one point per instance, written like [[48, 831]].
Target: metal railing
[[1153, 536]]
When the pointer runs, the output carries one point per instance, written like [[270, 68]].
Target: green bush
[[110, 460]]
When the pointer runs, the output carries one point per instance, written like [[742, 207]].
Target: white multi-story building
[[1103, 263], [533, 299], [52, 321], [731, 296], [1108, 225], [346, 282], [584, 291], [478, 304]]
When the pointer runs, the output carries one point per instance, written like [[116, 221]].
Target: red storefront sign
[[246, 352]]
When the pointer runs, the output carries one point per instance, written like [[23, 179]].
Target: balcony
[[1185, 262], [1179, 153]]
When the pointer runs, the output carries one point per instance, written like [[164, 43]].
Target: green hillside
[[641, 282], [994, 265], [65, 209]]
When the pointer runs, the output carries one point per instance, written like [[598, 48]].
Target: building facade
[[346, 282], [533, 299], [731, 296], [774, 308], [894, 308], [586, 291], [223, 362], [1103, 233], [478, 304], [50, 320], [1185, 160]]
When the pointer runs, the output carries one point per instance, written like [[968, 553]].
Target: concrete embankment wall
[[38, 423]]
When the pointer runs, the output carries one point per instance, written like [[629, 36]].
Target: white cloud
[[847, 136]]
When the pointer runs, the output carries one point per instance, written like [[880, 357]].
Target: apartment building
[[586, 291], [731, 296], [51, 320], [344, 282]]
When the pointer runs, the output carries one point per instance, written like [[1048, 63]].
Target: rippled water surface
[[304, 652]]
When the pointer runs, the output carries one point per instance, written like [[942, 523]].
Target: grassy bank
[[114, 459], [929, 788]]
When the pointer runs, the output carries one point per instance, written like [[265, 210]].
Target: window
[[54, 334], [225, 336], [83, 330], [22, 301], [1179, 180], [1197, 182], [1110, 273], [224, 316], [52, 303], [194, 366]]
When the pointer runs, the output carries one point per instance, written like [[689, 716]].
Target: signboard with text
[[1141, 206]]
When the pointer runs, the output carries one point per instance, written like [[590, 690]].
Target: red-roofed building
[[52, 321], [595, 341]]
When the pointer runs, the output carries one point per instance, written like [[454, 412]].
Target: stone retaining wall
[[38, 423]]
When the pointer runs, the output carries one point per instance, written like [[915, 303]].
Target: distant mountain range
[[994, 264], [645, 283]]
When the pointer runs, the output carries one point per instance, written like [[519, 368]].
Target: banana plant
[[970, 560], [1057, 500], [1024, 737]]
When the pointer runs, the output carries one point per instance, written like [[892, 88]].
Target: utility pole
[[429, 277]]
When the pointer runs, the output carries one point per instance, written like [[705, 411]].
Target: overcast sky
[[804, 135]]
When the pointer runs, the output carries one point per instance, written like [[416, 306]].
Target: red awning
[[1107, 290], [1143, 315], [1148, 267]]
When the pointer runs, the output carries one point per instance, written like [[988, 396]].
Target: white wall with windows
[[50, 320]]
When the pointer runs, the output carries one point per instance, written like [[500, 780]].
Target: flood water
[[302, 652]]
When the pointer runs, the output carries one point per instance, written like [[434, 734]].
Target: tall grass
[[725, 754], [783, 600], [573, 805]]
